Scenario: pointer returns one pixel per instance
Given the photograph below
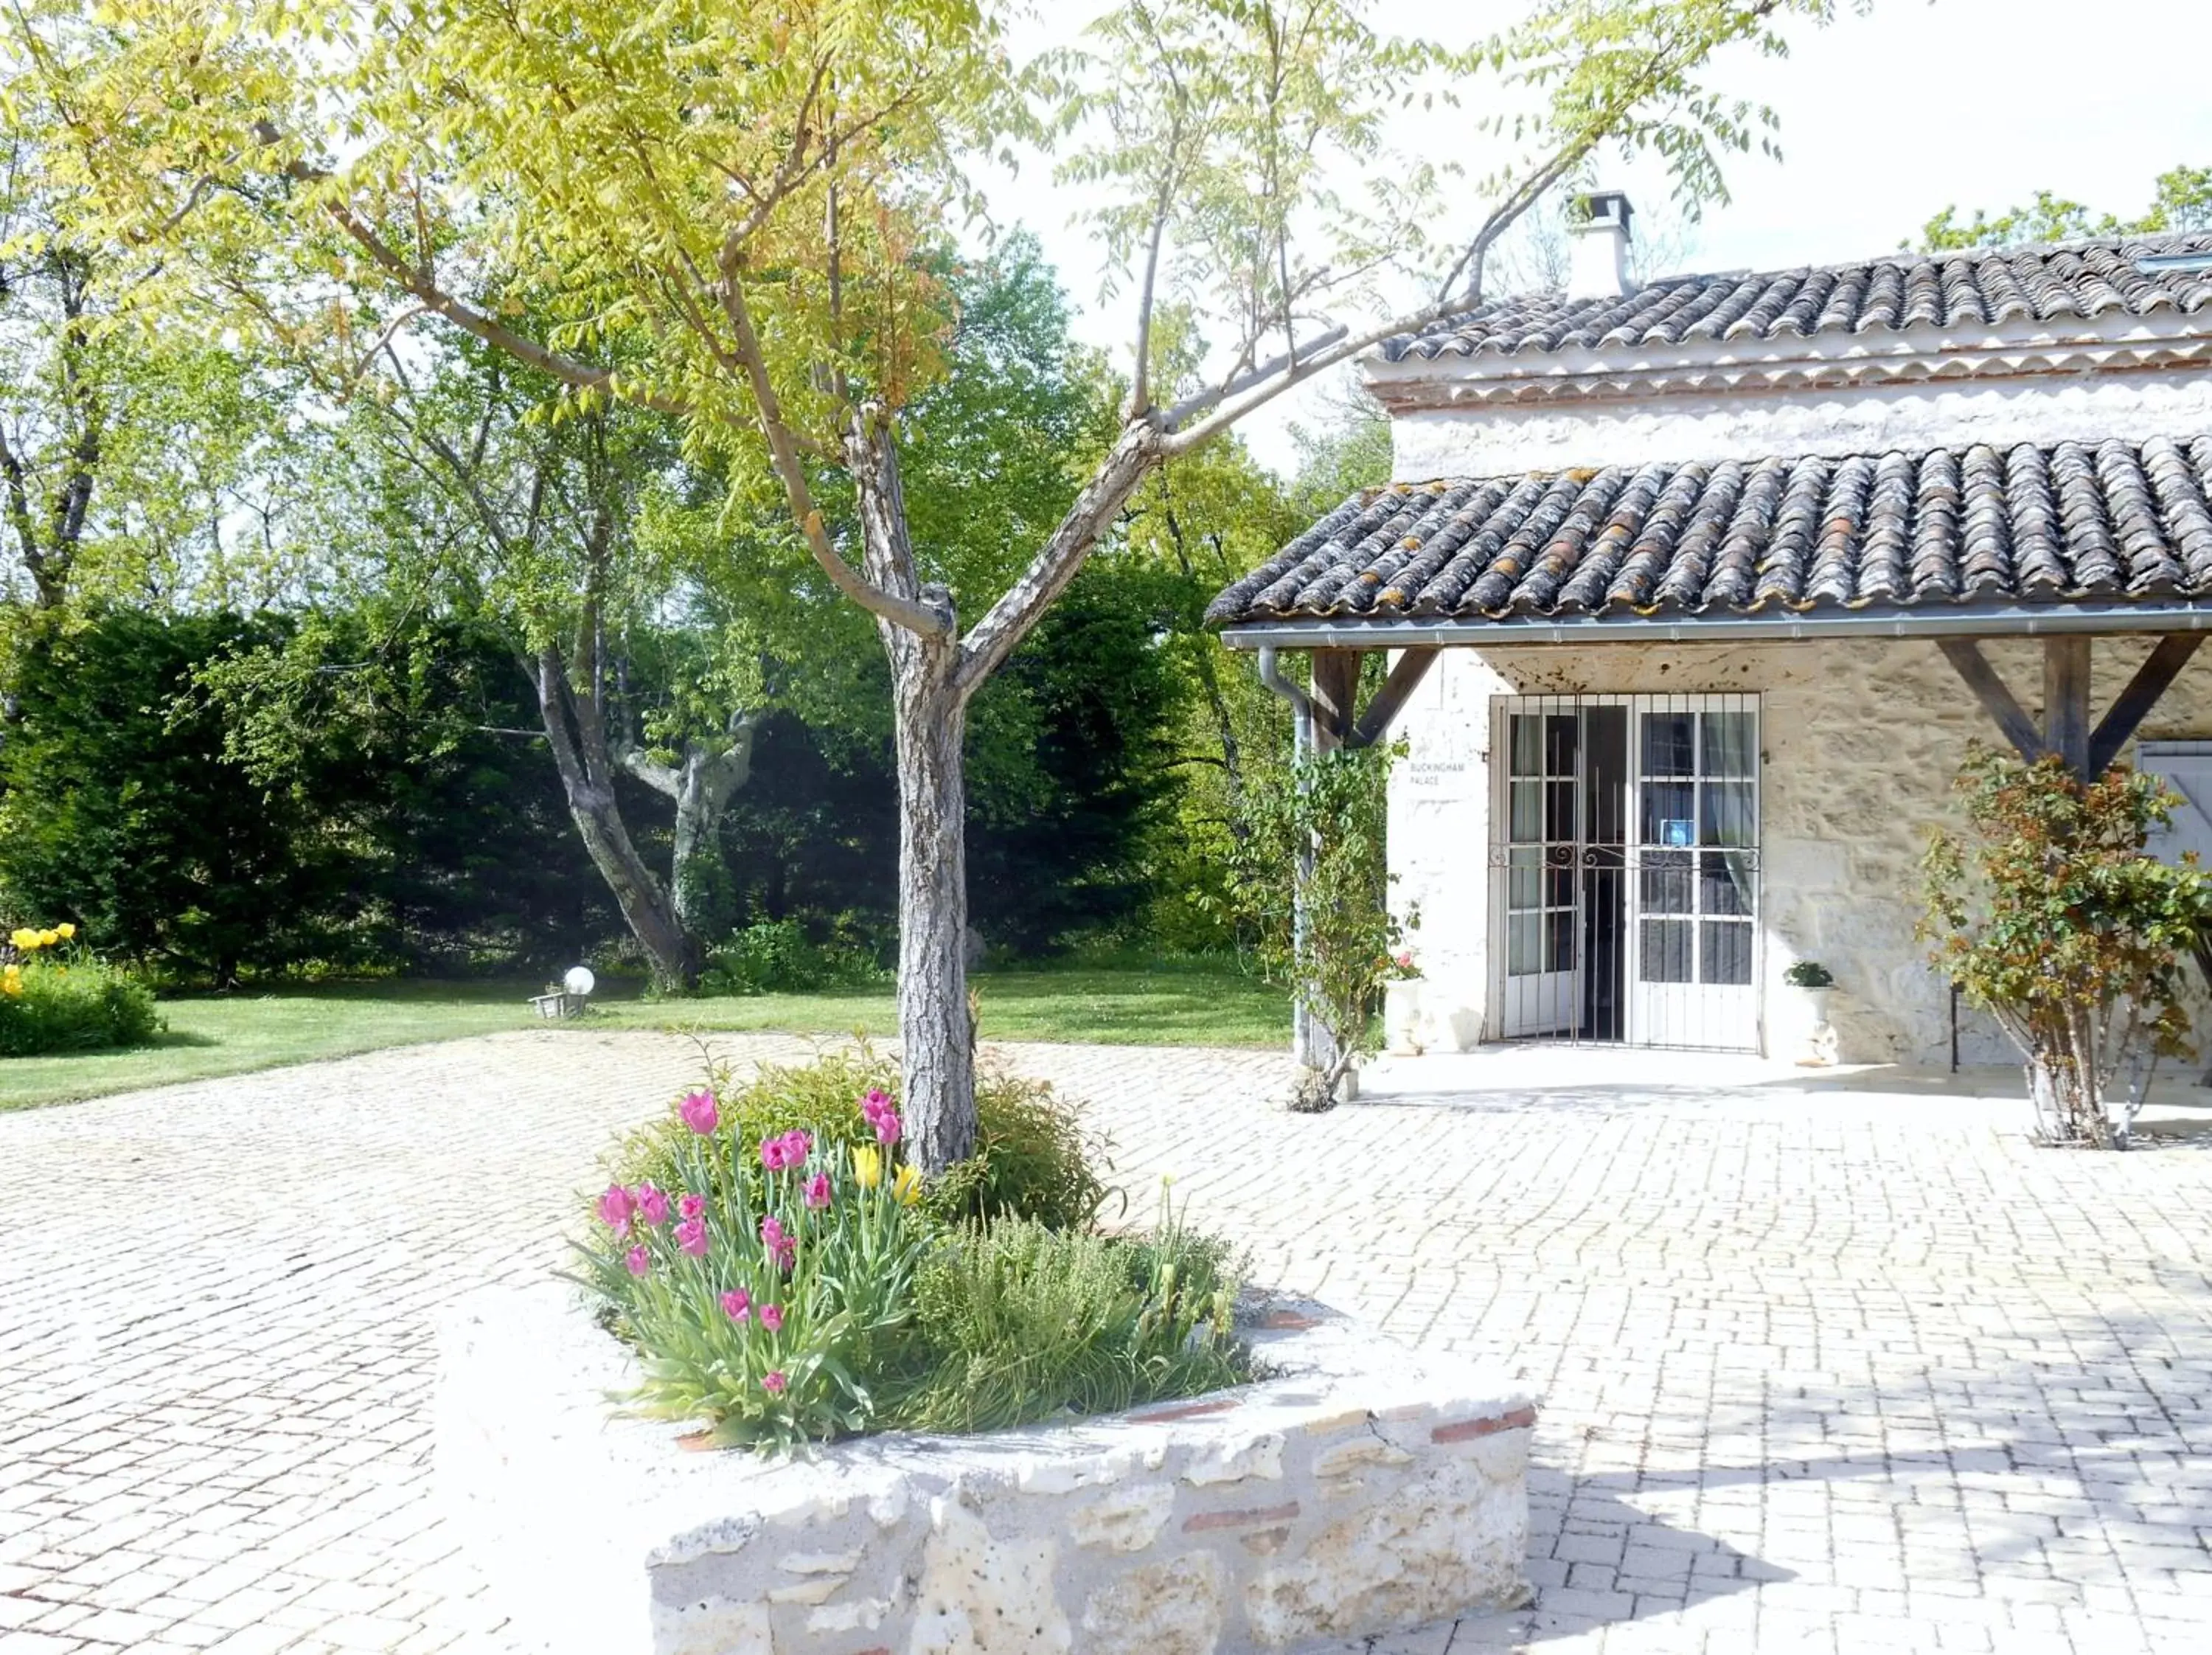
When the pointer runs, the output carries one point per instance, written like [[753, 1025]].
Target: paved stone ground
[[1823, 1371]]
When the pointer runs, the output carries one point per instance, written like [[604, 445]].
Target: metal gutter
[[2014, 620]]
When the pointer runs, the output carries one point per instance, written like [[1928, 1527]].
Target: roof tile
[[2053, 523]]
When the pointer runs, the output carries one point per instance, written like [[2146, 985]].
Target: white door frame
[[1693, 1014]]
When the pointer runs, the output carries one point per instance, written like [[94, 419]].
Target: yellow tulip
[[868, 1165], [48, 938], [65, 931], [24, 937], [11, 987], [906, 1186]]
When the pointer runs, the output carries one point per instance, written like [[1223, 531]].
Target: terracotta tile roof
[[1974, 290], [1955, 527]]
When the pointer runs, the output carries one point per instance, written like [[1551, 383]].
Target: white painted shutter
[[2186, 768]]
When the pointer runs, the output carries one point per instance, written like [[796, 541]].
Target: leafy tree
[[126, 818], [2074, 939], [2181, 199], [397, 825], [731, 207]]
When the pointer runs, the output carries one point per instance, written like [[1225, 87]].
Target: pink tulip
[[796, 1145], [639, 1261], [737, 1304], [615, 1208], [691, 1236], [699, 1112], [772, 1317], [874, 1103], [651, 1205], [887, 1128], [692, 1206], [782, 1246], [771, 1154], [817, 1190], [773, 1382]]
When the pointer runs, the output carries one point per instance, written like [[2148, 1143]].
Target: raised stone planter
[[1357, 1490]]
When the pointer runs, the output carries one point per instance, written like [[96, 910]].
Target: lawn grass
[[1175, 1003]]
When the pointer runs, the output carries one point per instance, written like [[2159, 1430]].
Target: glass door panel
[[1696, 890], [1543, 830]]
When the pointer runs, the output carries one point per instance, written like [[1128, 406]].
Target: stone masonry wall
[[1861, 740], [1355, 1490]]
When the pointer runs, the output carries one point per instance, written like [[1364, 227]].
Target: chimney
[[1599, 267]]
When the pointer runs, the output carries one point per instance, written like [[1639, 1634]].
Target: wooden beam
[[1335, 689], [2066, 700], [1967, 660], [2152, 679], [1404, 678]]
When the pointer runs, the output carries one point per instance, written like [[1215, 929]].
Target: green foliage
[[1312, 874], [772, 1345], [2181, 199], [1018, 1323], [1033, 1159], [777, 956], [982, 1302], [218, 797], [121, 810], [65, 1000], [2055, 921], [1809, 974]]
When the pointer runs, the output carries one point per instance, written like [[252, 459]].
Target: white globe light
[[580, 980]]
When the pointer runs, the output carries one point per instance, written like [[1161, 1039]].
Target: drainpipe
[[1307, 1038]]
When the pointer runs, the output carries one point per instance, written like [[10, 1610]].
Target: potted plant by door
[[1813, 982]]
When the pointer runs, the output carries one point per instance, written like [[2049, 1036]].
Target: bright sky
[[1886, 120]]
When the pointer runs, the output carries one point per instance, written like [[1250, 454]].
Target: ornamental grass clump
[[56, 995], [784, 1283]]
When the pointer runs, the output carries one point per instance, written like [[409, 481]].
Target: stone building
[[1696, 590]]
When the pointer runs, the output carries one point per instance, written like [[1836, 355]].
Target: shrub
[[1809, 974], [56, 998], [1032, 1157], [1022, 1323], [2058, 924], [1310, 873], [789, 1282], [775, 957]]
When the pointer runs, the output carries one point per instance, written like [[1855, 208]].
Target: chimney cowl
[[1598, 268]]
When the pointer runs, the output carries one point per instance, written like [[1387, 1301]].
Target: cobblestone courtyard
[[1823, 1370]]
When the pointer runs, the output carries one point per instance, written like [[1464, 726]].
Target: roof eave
[[2010, 620]]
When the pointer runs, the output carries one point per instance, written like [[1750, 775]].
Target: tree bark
[[936, 1029], [579, 752], [701, 790]]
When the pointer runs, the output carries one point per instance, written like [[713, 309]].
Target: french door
[[1626, 867]]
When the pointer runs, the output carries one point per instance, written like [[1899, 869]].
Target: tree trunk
[[701, 791], [588, 782], [937, 1036]]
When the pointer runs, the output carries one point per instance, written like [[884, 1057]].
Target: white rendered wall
[[1496, 438], [1861, 741]]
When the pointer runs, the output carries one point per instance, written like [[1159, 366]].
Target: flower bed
[[1181, 1478], [55, 996], [786, 1284]]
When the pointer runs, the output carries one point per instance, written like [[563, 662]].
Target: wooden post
[[2066, 700], [1335, 695], [1967, 660], [2152, 679]]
